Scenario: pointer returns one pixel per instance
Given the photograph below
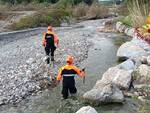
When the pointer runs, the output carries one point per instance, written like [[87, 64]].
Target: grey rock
[[120, 77], [144, 70], [142, 74], [148, 60], [104, 92], [130, 50], [129, 31], [143, 59], [86, 109], [30, 61], [141, 43], [127, 65]]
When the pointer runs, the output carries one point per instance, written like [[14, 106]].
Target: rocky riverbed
[[130, 78], [23, 70], [22, 64]]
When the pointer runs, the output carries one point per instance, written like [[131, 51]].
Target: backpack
[[49, 40]]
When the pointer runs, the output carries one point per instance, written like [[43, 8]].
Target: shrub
[[126, 20]]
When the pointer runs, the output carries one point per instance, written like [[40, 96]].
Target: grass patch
[[126, 20]]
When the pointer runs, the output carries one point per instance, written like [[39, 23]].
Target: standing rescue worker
[[68, 73], [50, 42]]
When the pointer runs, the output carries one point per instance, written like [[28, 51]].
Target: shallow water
[[101, 56]]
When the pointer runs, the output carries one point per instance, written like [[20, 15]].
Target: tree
[[89, 2]]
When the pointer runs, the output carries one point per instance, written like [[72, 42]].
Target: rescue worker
[[50, 42], [68, 73]]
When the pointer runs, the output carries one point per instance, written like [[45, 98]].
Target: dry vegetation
[[55, 14], [138, 12]]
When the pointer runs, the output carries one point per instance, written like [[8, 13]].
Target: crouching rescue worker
[[68, 73], [50, 42]]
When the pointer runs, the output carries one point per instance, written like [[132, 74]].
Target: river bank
[[128, 79], [100, 56], [22, 60]]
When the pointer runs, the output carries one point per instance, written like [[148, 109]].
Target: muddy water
[[101, 56]]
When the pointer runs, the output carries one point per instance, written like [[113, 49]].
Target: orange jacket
[[56, 39], [69, 67]]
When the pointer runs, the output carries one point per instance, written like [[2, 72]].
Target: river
[[101, 56]]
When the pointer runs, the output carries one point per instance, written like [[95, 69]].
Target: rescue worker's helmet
[[49, 28], [69, 59]]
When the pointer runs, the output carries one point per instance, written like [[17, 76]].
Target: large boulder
[[130, 50], [86, 109], [139, 42], [104, 93], [120, 77]]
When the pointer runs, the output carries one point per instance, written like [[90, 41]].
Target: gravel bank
[[21, 59]]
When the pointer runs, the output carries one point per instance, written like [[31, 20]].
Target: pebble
[[24, 64]]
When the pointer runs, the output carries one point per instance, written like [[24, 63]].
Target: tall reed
[[138, 11]]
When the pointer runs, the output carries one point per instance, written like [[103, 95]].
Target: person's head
[[49, 28], [69, 60]]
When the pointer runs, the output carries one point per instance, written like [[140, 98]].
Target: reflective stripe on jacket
[[69, 70]]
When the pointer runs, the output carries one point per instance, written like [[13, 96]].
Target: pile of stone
[[119, 79]]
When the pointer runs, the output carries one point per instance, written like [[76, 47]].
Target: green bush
[[126, 20]]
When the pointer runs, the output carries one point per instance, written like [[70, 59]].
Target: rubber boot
[[47, 60], [52, 58]]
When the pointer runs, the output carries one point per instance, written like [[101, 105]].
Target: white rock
[[148, 60], [129, 31], [127, 65], [120, 77], [86, 109], [130, 50], [142, 74], [144, 70], [143, 59], [30, 61], [120, 27], [139, 42], [141, 98]]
